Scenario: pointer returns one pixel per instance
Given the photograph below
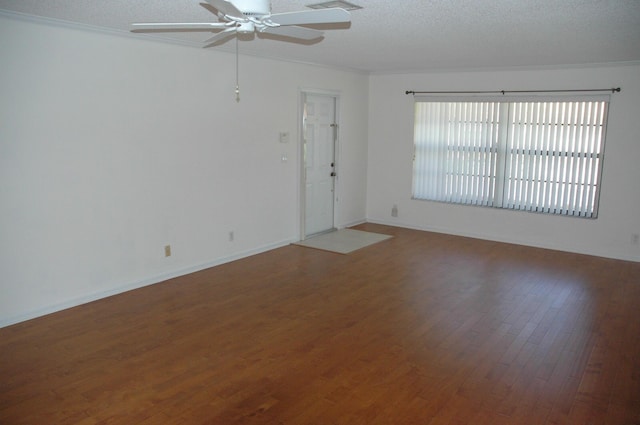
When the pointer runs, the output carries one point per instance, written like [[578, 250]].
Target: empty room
[[297, 212]]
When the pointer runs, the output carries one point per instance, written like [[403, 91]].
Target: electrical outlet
[[231, 236], [635, 239], [394, 211], [167, 250]]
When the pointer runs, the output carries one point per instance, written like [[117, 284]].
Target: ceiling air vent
[[338, 3]]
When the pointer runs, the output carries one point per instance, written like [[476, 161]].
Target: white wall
[[112, 147], [391, 151]]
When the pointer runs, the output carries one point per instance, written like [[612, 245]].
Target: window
[[518, 154]]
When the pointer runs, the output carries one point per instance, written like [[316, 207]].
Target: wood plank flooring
[[419, 329]]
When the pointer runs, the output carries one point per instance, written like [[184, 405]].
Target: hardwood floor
[[419, 329]]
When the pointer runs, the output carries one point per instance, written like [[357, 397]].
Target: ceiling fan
[[250, 17]]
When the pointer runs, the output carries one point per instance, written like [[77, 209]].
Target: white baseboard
[[514, 241], [351, 224], [137, 284]]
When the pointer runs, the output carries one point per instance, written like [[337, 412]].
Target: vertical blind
[[523, 155]]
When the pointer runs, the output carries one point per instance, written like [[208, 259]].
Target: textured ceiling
[[403, 35]]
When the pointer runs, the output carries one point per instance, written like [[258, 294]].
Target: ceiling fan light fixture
[[335, 3], [248, 16], [253, 7], [246, 27]]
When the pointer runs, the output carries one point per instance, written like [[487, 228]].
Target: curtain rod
[[503, 92]]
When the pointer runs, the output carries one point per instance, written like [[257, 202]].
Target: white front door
[[319, 130]]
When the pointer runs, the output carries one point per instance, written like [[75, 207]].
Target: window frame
[[505, 150]]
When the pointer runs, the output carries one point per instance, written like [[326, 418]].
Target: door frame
[[302, 195]]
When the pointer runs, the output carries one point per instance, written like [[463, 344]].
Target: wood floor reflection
[[421, 328]]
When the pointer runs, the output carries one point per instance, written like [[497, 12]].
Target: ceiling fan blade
[[202, 26], [305, 17], [225, 7], [295, 32], [220, 37]]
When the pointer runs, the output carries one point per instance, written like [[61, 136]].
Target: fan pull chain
[[237, 78]]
